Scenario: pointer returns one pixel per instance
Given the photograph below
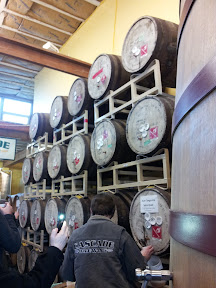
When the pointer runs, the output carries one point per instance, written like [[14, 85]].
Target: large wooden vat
[[193, 251]]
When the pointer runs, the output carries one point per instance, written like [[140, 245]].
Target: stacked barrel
[[145, 130], [121, 138], [66, 159]]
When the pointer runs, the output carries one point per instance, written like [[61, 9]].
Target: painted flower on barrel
[[142, 130]]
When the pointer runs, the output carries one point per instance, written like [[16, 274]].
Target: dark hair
[[103, 204]]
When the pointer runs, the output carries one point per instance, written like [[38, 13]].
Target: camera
[[3, 203]]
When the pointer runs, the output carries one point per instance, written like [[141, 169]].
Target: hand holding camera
[[5, 207]]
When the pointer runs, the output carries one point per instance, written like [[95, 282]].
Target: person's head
[[103, 204]]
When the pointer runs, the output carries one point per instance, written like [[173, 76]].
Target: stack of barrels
[[144, 132], [147, 128]]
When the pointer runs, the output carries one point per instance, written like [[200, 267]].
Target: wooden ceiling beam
[[36, 21], [93, 2], [17, 76], [14, 131], [27, 34], [57, 10], [43, 57], [18, 67], [16, 83]]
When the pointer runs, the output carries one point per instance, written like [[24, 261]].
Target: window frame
[[2, 98]]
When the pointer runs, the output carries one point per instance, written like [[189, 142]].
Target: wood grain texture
[[43, 57], [193, 165]]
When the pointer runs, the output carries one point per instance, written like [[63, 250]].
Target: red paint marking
[[157, 232], [105, 134], [76, 161], [98, 73], [76, 225], [79, 99], [103, 78], [86, 120], [55, 167], [37, 220], [144, 50], [153, 132]]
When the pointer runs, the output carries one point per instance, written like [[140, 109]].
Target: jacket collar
[[98, 217]]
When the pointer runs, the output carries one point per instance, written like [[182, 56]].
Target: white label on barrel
[[149, 204]]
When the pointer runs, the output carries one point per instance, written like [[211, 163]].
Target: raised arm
[[9, 235]]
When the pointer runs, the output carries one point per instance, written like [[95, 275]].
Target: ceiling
[[34, 22]]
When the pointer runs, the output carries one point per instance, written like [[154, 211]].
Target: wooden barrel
[[193, 168], [17, 199], [106, 73], [24, 213], [108, 142], [27, 171], [40, 171], [122, 201], [40, 124], [56, 164], [13, 260], [149, 219], [54, 213], [77, 212], [59, 113], [32, 259], [37, 214], [151, 38], [80, 100], [149, 124], [79, 155], [22, 259]]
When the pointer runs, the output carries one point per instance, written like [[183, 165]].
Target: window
[[15, 119], [17, 107], [15, 111]]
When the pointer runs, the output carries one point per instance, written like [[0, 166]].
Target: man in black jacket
[[102, 254], [46, 266]]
